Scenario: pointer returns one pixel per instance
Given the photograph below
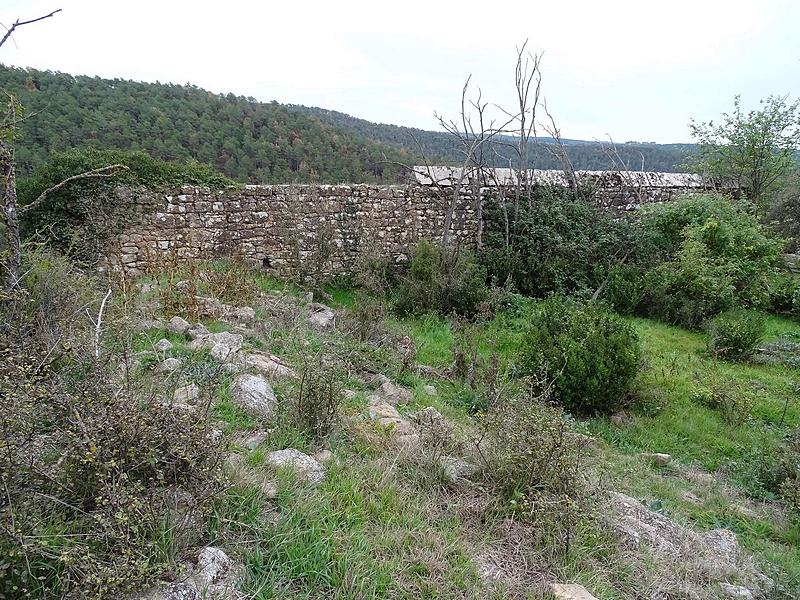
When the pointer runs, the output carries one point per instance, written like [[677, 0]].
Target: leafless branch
[[102, 172], [19, 23]]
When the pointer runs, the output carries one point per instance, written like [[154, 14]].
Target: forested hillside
[[247, 140], [437, 145]]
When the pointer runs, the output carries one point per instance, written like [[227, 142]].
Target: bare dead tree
[[559, 151]]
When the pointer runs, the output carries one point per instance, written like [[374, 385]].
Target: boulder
[[243, 315], [163, 345], [736, 591], [430, 390], [255, 395], [659, 459], [324, 456], [233, 341], [570, 591], [177, 325], [169, 365], [221, 353], [322, 317], [197, 330], [391, 392], [253, 439], [305, 467], [188, 394], [456, 469], [267, 364]]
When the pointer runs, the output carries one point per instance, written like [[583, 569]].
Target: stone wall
[[293, 230], [288, 230]]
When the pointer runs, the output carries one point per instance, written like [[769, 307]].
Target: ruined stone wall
[[288, 230], [292, 230]]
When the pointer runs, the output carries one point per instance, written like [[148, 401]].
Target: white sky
[[632, 69]]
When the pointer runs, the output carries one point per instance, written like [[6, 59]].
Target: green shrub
[[716, 256], [625, 288], [443, 280], [553, 243], [734, 334], [77, 218], [783, 289], [590, 354]]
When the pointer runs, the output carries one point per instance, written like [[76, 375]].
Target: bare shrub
[[316, 404], [534, 462], [730, 401], [178, 284], [233, 282]]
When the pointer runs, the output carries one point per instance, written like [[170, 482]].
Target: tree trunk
[[10, 216]]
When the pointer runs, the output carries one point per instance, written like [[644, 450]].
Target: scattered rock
[[182, 286], [234, 341], [657, 458], [178, 325], [163, 345], [349, 394], [736, 591], [620, 419], [430, 390], [169, 365], [324, 456], [255, 395], [146, 324], [570, 591], [391, 392], [215, 576], [196, 331], [188, 394], [456, 469], [210, 307], [387, 417], [145, 288], [253, 439], [267, 364], [244, 315], [305, 467], [221, 353], [322, 317]]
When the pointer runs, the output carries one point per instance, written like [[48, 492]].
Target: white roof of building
[[439, 175]]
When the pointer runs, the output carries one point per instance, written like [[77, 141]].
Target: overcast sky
[[634, 70]]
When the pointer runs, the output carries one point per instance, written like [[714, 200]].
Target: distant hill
[[438, 146], [247, 140]]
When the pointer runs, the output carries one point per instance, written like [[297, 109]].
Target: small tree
[[751, 149]]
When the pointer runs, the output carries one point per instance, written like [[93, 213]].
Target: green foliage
[[783, 210], [753, 150], [92, 469], [317, 399], [248, 141], [79, 216], [443, 280], [556, 243], [716, 256], [734, 334], [590, 354]]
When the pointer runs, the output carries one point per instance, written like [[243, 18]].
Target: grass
[[667, 417], [370, 532]]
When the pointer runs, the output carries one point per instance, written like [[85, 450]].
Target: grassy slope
[[374, 531], [669, 420]]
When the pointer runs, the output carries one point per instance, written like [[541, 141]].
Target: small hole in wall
[[265, 264]]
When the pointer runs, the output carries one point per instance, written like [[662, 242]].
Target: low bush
[[734, 334], [444, 280], [534, 462], [774, 471], [589, 353], [715, 256], [317, 399]]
